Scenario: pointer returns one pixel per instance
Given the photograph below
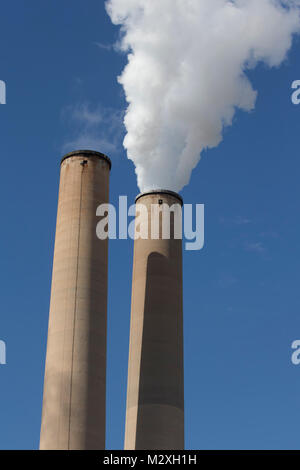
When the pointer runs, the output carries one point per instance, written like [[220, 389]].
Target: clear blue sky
[[241, 292]]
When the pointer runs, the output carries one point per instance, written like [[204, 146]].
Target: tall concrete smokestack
[[155, 396], [74, 389]]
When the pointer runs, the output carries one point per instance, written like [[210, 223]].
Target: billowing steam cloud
[[186, 74]]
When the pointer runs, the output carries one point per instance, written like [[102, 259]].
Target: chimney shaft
[[75, 376], [155, 396]]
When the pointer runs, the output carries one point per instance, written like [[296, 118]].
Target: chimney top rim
[[79, 153], [160, 192]]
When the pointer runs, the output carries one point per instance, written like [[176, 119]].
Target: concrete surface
[[155, 395], [73, 414]]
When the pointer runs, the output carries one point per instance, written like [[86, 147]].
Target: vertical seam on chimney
[[65, 321], [75, 306]]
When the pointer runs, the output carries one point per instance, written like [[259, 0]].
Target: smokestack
[[75, 377], [155, 396]]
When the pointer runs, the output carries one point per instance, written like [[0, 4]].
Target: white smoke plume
[[186, 74]]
